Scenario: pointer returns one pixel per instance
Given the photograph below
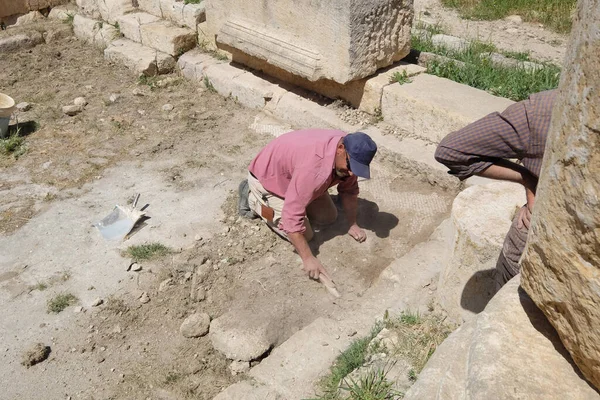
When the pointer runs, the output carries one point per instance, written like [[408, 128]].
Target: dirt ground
[[186, 163]]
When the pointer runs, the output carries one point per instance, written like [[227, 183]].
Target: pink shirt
[[299, 167]]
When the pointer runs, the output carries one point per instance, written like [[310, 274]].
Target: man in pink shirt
[[288, 184]]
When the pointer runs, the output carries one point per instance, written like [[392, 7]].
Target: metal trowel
[[121, 220]]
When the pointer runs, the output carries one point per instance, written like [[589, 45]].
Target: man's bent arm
[[350, 206], [508, 171], [310, 263]]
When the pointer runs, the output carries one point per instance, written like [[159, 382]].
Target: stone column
[[561, 266]]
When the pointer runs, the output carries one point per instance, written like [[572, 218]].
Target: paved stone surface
[[431, 107]]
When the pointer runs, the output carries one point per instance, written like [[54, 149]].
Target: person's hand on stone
[[524, 218], [358, 234], [313, 267]]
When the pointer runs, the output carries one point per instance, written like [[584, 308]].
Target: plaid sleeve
[[477, 146]]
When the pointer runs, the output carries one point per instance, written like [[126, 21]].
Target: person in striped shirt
[[489, 147]]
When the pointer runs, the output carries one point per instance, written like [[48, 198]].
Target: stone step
[[153, 32], [139, 58], [430, 107], [179, 13], [93, 31]]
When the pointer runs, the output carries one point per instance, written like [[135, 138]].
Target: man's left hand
[[358, 234]]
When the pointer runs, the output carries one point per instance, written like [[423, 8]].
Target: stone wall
[[15, 7], [561, 266]]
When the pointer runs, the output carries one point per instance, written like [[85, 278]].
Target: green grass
[[193, 1], [513, 82], [346, 362], [374, 385], [147, 251], [61, 301], [41, 286], [554, 14], [209, 85], [13, 145]]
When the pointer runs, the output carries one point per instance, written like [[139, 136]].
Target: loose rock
[[136, 267], [144, 298], [36, 354], [239, 367], [80, 101], [24, 106], [165, 284], [113, 98], [71, 110], [97, 302], [195, 325], [168, 107]]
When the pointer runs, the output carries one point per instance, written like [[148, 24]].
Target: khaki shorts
[[321, 211]]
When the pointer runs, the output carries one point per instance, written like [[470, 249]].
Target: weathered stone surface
[[111, 10], [21, 41], [12, 7], [431, 107], [89, 8], [254, 92], [141, 59], [341, 41], [86, 28], [30, 17], [240, 337], [561, 266], [195, 325], [151, 7], [247, 390], [167, 38], [193, 64], [63, 13], [509, 351], [450, 42], [481, 217], [129, 24], [221, 78]]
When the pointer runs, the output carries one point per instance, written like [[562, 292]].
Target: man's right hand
[[313, 267]]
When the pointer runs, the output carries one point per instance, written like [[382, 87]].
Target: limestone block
[[561, 265], [129, 24], [167, 38], [86, 28], [240, 337], [246, 390], [21, 41], [481, 216], [373, 87], [140, 59], [172, 10], [194, 14], [105, 36], [254, 92], [221, 77], [341, 41], [30, 17], [62, 13], [431, 107], [12, 7], [110, 10], [89, 8], [303, 113], [151, 7], [193, 64], [509, 351]]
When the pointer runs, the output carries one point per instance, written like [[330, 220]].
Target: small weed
[[374, 385], [378, 114], [149, 81], [400, 77], [517, 55], [60, 302], [410, 318], [70, 18], [147, 251], [412, 375], [193, 1], [13, 145], [65, 276], [41, 286], [209, 85], [172, 377], [116, 306], [431, 29]]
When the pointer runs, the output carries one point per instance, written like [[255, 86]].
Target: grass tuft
[[555, 14], [193, 1], [13, 145], [400, 77], [374, 385], [61, 301], [147, 251]]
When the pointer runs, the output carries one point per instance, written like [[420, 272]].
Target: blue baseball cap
[[361, 149]]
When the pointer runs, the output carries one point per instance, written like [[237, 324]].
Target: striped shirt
[[519, 132]]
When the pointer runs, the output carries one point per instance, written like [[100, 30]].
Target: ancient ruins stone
[[481, 217], [62, 13], [129, 24], [141, 59], [111, 10], [13, 7], [89, 8], [248, 390], [36, 354], [33, 16], [167, 38], [340, 41], [239, 367], [195, 325], [561, 266], [240, 337], [508, 351]]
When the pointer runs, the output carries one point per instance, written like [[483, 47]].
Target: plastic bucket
[[7, 106]]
